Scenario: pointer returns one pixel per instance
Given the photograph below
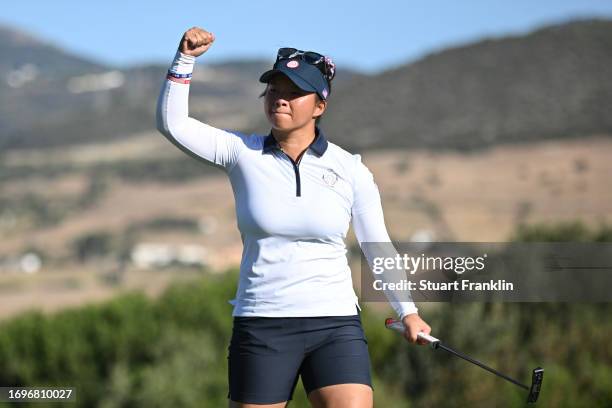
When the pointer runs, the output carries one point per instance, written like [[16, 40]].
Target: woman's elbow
[[162, 125], [161, 119], [171, 130], [165, 124]]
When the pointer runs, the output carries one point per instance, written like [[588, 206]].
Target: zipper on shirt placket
[[298, 184], [296, 169]]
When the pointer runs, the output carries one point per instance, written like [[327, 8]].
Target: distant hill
[[50, 98], [553, 83], [19, 48]]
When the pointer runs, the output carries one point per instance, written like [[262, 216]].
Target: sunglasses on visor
[[310, 57]]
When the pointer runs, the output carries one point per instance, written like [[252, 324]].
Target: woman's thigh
[[342, 396], [336, 373], [234, 404], [266, 355]]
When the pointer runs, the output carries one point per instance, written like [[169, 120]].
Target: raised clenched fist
[[196, 41]]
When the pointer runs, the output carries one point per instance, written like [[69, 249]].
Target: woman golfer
[[295, 311]]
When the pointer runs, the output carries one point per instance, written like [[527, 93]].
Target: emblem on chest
[[330, 177]]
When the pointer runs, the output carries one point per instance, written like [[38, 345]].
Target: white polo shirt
[[293, 217]]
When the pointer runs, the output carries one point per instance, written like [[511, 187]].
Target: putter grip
[[399, 326], [428, 338]]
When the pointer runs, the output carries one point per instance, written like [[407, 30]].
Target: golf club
[[536, 378]]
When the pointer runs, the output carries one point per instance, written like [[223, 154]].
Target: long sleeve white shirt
[[293, 217]]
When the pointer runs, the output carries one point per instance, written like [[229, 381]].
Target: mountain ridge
[[552, 82]]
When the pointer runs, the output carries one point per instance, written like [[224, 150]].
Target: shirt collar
[[318, 145]]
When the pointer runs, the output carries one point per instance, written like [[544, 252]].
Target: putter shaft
[[481, 365], [537, 376]]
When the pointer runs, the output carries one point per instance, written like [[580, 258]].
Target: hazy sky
[[367, 35]]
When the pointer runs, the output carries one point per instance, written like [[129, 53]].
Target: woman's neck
[[296, 141]]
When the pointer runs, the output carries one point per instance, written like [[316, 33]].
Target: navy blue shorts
[[267, 354]]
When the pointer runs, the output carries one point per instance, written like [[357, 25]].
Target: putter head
[[536, 383]]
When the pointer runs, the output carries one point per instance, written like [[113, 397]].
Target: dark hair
[[318, 119]]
